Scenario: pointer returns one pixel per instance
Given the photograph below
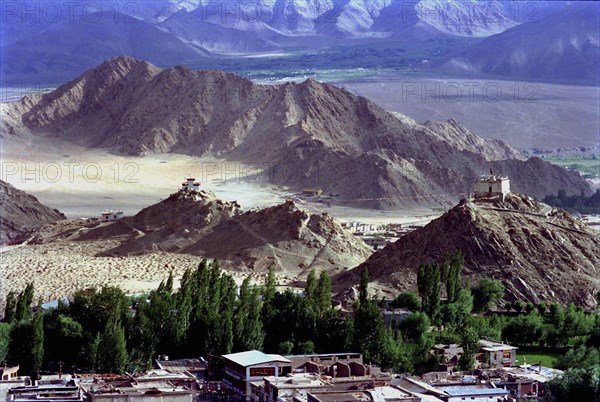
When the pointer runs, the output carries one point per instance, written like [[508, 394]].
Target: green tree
[[428, 284], [10, 308], [469, 339], [323, 293], [112, 350], [524, 329], [453, 285], [408, 300], [363, 289], [311, 286], [369, 332], [519, 306], [23, 307], [542, 308], [286, 348], [486, 293], [305, 348], [4, 340], [414, 326], [249, 333], [37, 347], [25, 346], [270, 286]]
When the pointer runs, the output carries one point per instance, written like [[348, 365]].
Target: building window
[[262, 371], [506, 354]]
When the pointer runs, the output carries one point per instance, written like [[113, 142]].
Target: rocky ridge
[[198, 223], [20, 213], [538, 253]]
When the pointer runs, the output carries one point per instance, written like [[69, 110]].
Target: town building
[[285, 388], [152, 386], [496, 354], [449, 356], [241, 369], [9, 372], [197, 367], [9, 378], [492, 185], [60, 392], [528, 381], [333, 372], [376, 394], [377, 242], [312, 192], [491, 354], [472, 392], [322, 363], [111, 215], [190, 184]]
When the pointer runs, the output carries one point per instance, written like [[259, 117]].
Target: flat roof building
[[492, 185], [241, 369]]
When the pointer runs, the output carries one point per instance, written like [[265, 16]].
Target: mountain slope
[[67, 49], [317, 134], [198, 223], [565, 46], [519, 242], [20, 212]]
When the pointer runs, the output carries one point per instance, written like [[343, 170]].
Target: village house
[[492, 185], [9, 378], [67, 391], [333, 372], [152, 386], [9, 372], [496, 354], [197, 367], [491, 354], [528, 381], [487, 392], [312, 192], [190, 184], [111, 215]]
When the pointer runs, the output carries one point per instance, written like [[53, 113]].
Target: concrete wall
[[165, 397], [482, 188]]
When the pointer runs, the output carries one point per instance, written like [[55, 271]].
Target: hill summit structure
[[492, 185]]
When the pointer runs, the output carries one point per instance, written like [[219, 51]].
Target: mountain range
[[61, 39], [309, 134], [564, 46]]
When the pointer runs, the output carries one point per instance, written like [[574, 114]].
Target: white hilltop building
[[492, 185], [190, 184], [111, 215]]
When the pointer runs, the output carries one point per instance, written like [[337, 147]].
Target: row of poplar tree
[[106, 331]]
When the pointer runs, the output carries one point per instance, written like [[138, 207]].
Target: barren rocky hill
[[20, 212], [537, 253], [198, 223], [306, 134]]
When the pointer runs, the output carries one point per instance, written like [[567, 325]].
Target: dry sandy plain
[[524, 114], [81, 183]]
